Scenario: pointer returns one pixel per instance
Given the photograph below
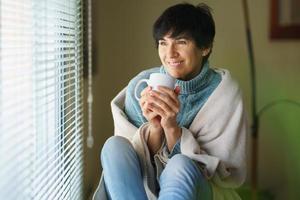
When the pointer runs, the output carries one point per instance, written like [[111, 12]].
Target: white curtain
[[41, 119]]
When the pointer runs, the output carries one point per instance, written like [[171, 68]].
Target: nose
[[172, 51]]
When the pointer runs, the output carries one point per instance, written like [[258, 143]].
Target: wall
[[123, 46]]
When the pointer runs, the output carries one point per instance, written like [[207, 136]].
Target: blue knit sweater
[[193, 94]]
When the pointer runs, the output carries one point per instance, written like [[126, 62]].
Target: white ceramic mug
[[156, 79]]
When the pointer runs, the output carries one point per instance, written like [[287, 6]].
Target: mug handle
[[137, 86]]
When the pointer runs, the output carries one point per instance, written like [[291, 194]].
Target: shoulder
[[227, 81], [227, 93]]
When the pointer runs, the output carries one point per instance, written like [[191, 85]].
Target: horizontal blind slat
[[41, 120], [61, 168], [54, 179], [66, 125]]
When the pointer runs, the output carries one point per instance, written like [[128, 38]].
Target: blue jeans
[[181, 178]]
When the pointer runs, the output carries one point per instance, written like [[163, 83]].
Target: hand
[[155, 130], [152, 117], [165, 103]]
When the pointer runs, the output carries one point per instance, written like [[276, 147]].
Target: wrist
[[173, 131], [155, 129], [154, 139], [172, 135]]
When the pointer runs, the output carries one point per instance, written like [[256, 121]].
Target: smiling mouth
[[175, 64]]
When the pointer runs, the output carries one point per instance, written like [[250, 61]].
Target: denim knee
[[181, 166], [114, 146], [121, 169], [182, 179], [180, 159], [178, 163]]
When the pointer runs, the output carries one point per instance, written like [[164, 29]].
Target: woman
[[186, 143]]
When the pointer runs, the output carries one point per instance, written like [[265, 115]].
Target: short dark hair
[[192, 21]]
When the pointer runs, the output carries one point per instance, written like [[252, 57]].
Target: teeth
[[175, 63]]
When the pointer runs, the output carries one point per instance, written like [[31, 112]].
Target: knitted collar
[[197, 83]]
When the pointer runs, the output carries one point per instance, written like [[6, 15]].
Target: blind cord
[[90, 138]]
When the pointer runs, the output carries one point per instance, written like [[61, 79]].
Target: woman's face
[[181, 57]]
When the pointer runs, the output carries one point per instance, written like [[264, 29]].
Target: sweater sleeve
[[132, 108]]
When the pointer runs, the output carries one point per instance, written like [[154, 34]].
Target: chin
[[176, 75]]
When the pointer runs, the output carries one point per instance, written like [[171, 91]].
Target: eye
[[162, 43], [183, 42]]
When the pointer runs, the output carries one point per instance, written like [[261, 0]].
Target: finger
[[164, 115], [149, 114], [147, 108], [161, 112], [142, 101], [165, 101], [169, 92], [157, 110], [145, 96], [147, 89]]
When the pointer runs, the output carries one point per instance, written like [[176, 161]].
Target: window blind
[[41, 99]]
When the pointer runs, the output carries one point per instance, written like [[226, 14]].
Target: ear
[[206, 51]]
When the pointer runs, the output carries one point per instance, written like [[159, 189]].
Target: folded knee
[[182, 178], [114, 145], [179, 160], [181, 166]]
